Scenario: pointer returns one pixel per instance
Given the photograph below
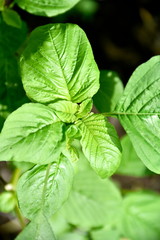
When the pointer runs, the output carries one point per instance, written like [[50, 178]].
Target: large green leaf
[[45, 188], [93, 202], [58, 64], [141, 216], [139, 112], [100, 144], [47, 8], [131, 164], [32, 133], [111, 89], [38, 229]]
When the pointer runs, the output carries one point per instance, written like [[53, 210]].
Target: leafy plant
[[63, 150]]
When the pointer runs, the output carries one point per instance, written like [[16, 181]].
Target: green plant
[[64, 151]]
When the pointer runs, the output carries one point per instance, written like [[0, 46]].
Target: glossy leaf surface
[[45, 188], [100, 144], [39, 229], [31, 134], [110, 91], [139, 112], [58, 64], [47, 8]]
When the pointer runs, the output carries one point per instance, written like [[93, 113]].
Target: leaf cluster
[[48, 135]]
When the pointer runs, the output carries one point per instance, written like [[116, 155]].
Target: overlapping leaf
[[10, 85], [38, 229], [11, 38], [31, 134], [141, 216], [100, 144], [93, 202], [11, 18], [46, 7], [110, 91], [45, 188], [139, 112], [130, 164], [7, 202], [65, 110], [58, 64], [102, 234]]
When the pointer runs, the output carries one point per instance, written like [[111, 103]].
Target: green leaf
[[3, 114], [45, 188], [93, 202], [11, 38], [10, 83], [100, 144], [2, 2], [103, 233], [111, 89], [7, 202], [139, 112], [58, 224], [72, 236], [32, 133], [47, 8], [141, 216], [48, 74], [131, 164], [84, 108], [39, 229], [11, 18], [65, 110]]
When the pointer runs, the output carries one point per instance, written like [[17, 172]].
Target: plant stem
[[15, 177], [13, 183], [115, 114], [20, 217]]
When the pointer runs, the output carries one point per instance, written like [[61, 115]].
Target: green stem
[[13, 184], [15, 177], [20, 217]]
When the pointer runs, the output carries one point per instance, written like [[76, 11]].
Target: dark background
[[123, 34]]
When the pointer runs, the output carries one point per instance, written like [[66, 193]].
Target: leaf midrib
[[66, 86], [108, 114]]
